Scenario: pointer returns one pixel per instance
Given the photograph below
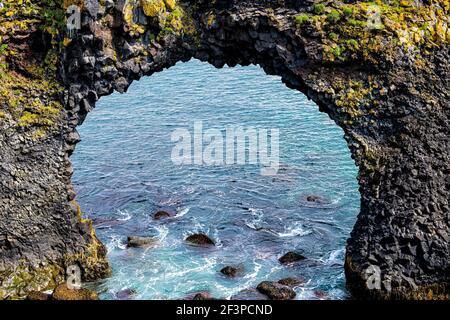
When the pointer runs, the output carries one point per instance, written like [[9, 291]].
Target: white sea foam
[[115, 243], [163, 232], [183, 212], [125, 215], [296, 231], [335, 257]]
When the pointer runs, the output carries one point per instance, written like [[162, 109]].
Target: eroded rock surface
[[385, 83]]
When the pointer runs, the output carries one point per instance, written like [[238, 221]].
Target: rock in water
[[321, 294], [125, 294], [291, 257], [62, 292], [249, 294], [200, 239], [203, 296], [230, 271], [162, 215], [276, 291], [315, 199], [292, 282], [141, 242], [36, 295]]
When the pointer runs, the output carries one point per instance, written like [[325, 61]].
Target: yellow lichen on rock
[[170, 4], [62, 292], [78, 3], [153, 8]]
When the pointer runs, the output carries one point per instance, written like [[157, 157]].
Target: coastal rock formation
[[231, 271], [200, 239], [62, 292], [38, 296], [292, 282], [291, 257], [382, 73], [162, 215], [276, 291], [141, 242]]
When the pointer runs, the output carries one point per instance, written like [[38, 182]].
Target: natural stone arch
[[391, 101]]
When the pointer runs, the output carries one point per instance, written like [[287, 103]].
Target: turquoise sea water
[[124, 174]]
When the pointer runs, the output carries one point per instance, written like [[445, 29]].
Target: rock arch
[[387, 88]]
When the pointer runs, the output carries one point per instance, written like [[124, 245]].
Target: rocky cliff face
[[382, 73]]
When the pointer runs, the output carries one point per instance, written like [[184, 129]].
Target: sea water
[[124, 174]]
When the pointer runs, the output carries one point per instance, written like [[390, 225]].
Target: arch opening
[[124, 174]]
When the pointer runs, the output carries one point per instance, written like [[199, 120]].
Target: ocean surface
[[124, 174]]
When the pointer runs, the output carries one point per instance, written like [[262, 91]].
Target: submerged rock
[[313, 198], [203, 296], [36, 295], [105, 223], [291, 257], [320, 294], [62, 292], [292, 282], [200, 239], [249, 294], [162, 215], [141, 242], [231, 272], [276, 291], [125, 294]]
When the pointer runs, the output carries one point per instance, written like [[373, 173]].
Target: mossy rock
[[62, 292], [38, 296], [170, 4], [153, 8]]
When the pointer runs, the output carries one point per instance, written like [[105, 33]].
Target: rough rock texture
[[38, 296], [388, 87], [200, 239], [292, 282], [141, 242], [276, 291], [62, 292], [232, 272], [291, 257]]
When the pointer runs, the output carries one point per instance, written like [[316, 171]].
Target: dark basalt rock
[[125, 294], [291, 257], [203, 296], [249, 294], [62, 292], [36, 295], [315, 199], [392, 106], [292, 282], [200, 239], [162, 215], [231, 272], [276, 291], [141, 242]]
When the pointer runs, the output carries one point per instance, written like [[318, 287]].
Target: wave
[[125, 215]]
